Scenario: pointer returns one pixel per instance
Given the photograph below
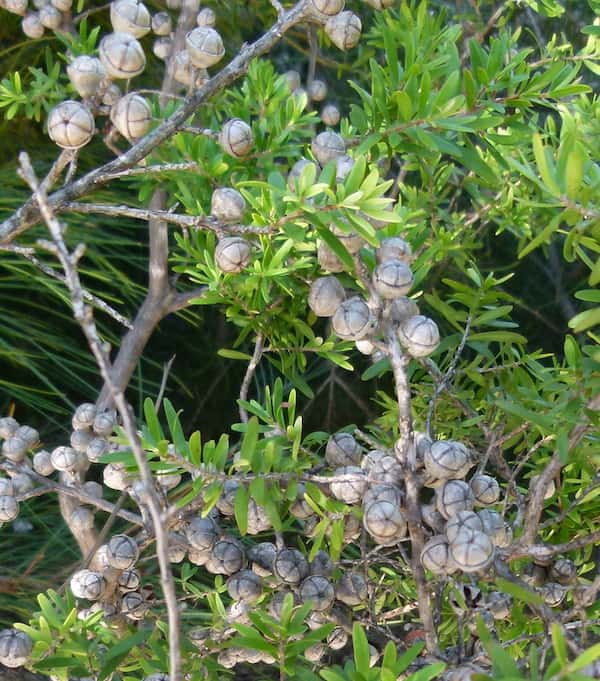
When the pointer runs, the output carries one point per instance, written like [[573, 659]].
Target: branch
[[147, 492], [252, 364]]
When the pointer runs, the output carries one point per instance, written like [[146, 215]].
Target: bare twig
[[146, 493], [251, 368]]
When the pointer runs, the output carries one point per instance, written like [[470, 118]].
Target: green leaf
[[360, 646], [559, 644], [117, 653], [541, 158], [152, 420], [233, 354], [585, 320], [587, 657], [519, 592]]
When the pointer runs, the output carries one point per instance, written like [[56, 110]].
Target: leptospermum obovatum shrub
[[465, 515]]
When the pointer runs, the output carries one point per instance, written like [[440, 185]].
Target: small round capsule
[[327, 146], [70, 125], [232, 254], [325, 296], [236, 138], [419, 335], [353, 319], [344, 30]]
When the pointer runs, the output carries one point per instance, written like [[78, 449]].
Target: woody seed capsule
[[328, 260], [130, 16], [227, 205], [486, 489], [205, 46], [162, 24], [352, 589], [245, 586], [131, 116], [134, 606], [349, 491], [344, 30], [232, 254], [86, 74], [9, 508], [384, 521], [14, 449], [122, 55], [352, 320], [327, 146], [105, 423], [15, 648], [70, 125], [32, 26], [122, 552], [463, 521], [88, 584], [447, 459], [325, 296], [454, 496], [472, 551], [227, 557], [62, 5], [435, 556], [162, 48], [236, 138], [394, 248], [206, 17], [16, 6], [328, 7], [381, 4], [290, 566], [419, 335], [50, 17], [342, 450], [317, 90], [330, 115], [8, 426]]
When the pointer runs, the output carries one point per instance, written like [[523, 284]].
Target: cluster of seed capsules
[[121, 57]]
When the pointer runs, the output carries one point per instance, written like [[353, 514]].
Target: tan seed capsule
[[50, 17], [162, 24], [131, 116], [122, 56], [14, 449], [381, 4], [419, 336], [16, 6], [401, 309], [130, 16], [116, 477], [6, 488], [9, 508], [353, 320], [236, 138], [325, 296], [328, 260], [352, 589], [472, 551], [205, 47], [344, 30], [232, 254], [32, 26], [111, 94], [342, 450], [317, 90], [257, 518], [30, 436], [70, 125], [206, 17], [15, 648], [328, 7], [182, 68], [86, 73], [330, 115], [351, 241], [62, 5], [65, 459], [327, 146], [81, 519], [315, 652], [162, 48], [337, 639], [105, 423], [227, 205]]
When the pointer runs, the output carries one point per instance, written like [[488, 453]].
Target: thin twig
[[252, 364]]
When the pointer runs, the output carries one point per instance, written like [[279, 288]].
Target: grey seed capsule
[[88, 584], [392, 279], [8, 426], [435, 556], [202, 533], [353, 319], [290, 566], [318, 591], [236, 138], [325, 296], [349, 491], [454, 496], [228, 205], [327, 146], [123, 552], [486, 489], [228, 557], [15, 648], [232, 254], [245, 586], [419, 335], [344, 30], [352, 589], [472, 551]]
